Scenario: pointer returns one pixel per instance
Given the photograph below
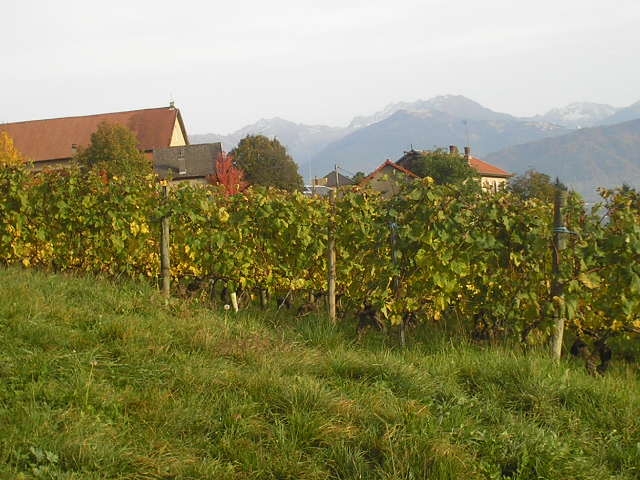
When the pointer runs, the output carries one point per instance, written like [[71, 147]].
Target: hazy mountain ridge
[[585, 159], [302, 141], [626, 114]]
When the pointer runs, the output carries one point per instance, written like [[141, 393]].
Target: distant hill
[[584, 159], [632, 112], [367, 147]]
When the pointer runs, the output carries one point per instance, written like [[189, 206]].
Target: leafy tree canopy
[[114, 148], [10, 156], [533, 184], [266, 162], [358, 177], [442, 166]]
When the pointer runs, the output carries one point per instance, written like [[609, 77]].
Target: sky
[[229, 64]]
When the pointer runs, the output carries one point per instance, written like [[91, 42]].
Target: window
[[182, 166]]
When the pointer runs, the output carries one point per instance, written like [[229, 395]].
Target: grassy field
[[103, 380]]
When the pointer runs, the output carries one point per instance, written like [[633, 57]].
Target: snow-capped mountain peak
[[579, 114], [454, 105]]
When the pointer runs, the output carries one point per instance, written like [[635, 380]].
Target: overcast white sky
[[228, 64]]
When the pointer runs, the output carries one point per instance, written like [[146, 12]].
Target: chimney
[[467, 154], [453, 150]]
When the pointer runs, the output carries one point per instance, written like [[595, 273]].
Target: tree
[[10, 156], [228, 175], [442, 166], [114, 149], [266, 162], [358, 177], [533, 184]]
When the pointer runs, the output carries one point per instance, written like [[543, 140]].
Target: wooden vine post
[[557, 288], [165, 265], [263, 299], [331, 260], [234, 301], [396, 276]]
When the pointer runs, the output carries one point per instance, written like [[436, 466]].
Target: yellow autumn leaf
[[223, 215], [590, 281]]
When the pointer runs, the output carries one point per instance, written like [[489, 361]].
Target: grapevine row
[[436, 252]]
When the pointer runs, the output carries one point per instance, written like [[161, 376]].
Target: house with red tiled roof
[[388, 178], [492, 178], [53, 142]]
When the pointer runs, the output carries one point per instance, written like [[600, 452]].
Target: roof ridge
[[496, 171], [90, 115], [53, 138], [389, 163]]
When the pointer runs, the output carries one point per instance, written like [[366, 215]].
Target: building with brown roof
[[187, 163], [53, 142], [333, 179], [388, 178]]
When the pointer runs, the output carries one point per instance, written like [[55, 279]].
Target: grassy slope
[[104, 381]]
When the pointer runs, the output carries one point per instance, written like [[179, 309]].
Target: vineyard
[[436, 253]]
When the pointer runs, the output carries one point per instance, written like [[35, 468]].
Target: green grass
[[103, 380]]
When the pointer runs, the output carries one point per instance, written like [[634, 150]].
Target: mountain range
[[556, 143], [586, 159]]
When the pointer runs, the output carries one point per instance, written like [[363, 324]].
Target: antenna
[[466, 129]]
